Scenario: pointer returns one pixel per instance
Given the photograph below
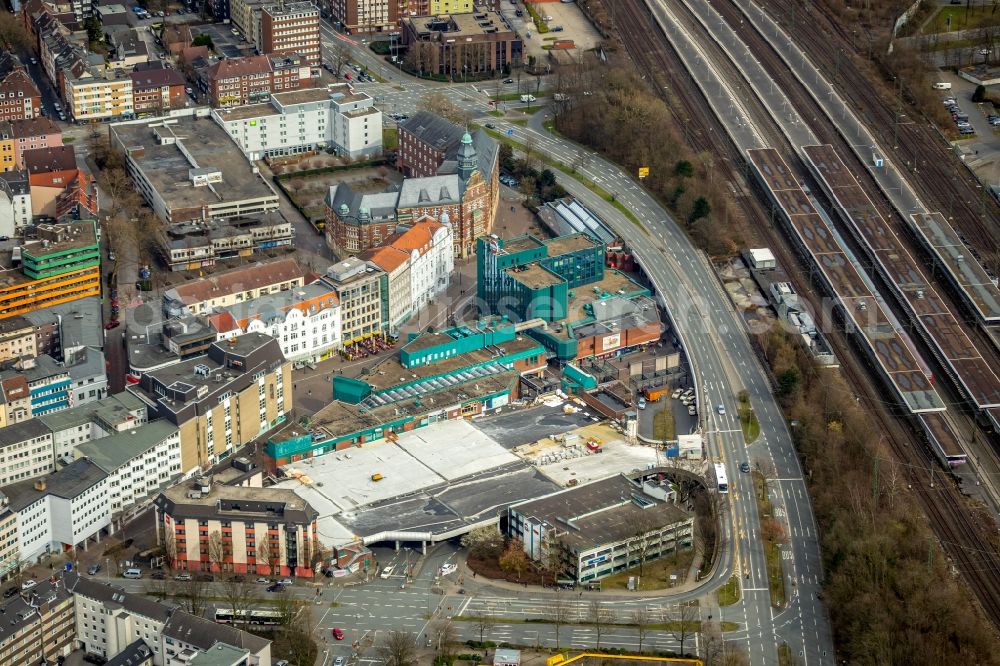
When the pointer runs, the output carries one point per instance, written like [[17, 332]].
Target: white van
[[942, 85], [527, 98], [132, 573]]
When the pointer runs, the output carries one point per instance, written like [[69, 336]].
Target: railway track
[[962, 537], [809, 109], [940, 178]]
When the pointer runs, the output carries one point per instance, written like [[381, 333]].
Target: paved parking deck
[[445, 477]]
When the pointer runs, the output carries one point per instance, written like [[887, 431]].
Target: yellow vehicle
[[377, 477]]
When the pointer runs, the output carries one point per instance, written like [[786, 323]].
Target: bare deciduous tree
[[484, 623], [216, 551], [399, 648], [600, 616], [640, 619], [561, 613], [686, 619], [240, 596]]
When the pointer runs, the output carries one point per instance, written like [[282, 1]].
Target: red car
[[338, 633], [112, 324]]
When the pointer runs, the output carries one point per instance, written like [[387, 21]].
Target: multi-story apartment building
[[17, 338], [231, 287], [17, 136], [139, 462], [210, 527], [291, 27], [15, 203], [305, 321], [38, 626], [108, 620], [76, 426], [292, 123], [221, 401], [245, 15], [395, 264], [58, 267], [188, 169], [239, 81], [364, 298], [49, 382], [15, 399], [19, 96], [156, 91], [25, 451], [100, 95], [364, 16], [9, 560], [59, 188], [63, 510], [432, 259]]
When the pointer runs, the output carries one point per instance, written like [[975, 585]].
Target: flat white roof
[[761, 254]]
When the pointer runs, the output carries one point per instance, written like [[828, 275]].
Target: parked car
[[285, 581], [9, 592], [112, 325], [158, 575], [4, 238], [275, 587], [183, 577], [204, 577], [91, 658], [263, 581], [93, 569], [507, 82], [28, 584]]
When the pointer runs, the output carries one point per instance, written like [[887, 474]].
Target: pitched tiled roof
[[156, 78], [223, 322], [386, 258], [235, 67], [418, 237], [241, 279], [46, 160], [33, 127]]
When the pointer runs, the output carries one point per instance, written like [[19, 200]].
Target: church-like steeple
[[468, 162]]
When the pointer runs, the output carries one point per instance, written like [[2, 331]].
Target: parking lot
[[225, 42], [565, 15], [980, 151]]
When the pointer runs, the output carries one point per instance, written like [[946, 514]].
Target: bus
[[720, 478], [252, 617]]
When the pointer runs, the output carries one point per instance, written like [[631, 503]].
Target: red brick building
[[19, 97], [240, 81], [156, 91], [364, 16], [291, 28]]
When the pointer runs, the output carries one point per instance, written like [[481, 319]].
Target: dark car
[[275, 587], [4, 238], [94, 659], [238, 578], [507, 82], [204, 577], [9, 592], [745, 467], [93, 569], [158, 575], [490, 126]]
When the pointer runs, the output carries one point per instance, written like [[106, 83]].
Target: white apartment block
[[302, 121], [25, 451], [305, 321], [78, 425], [61, 511], [432, 259], [139, 462], [109, 620], [15, 203]]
